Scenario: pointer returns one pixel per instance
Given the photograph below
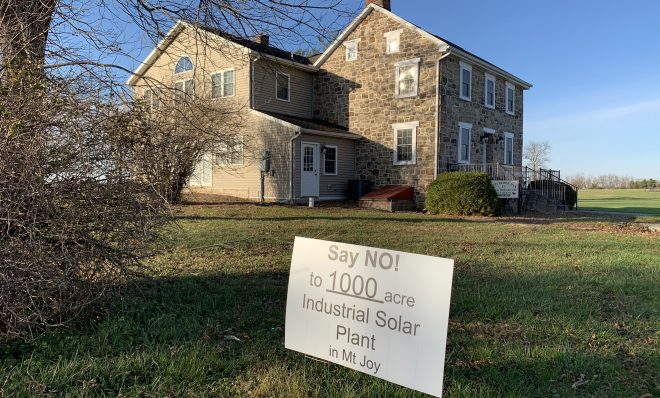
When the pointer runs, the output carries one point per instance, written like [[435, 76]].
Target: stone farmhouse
[[387, 103]]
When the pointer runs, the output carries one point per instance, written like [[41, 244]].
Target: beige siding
[[302, 86], [209, 55], [331, 186]]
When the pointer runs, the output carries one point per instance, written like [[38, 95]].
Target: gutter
[[437, 114], [488, 66], [292, 148]]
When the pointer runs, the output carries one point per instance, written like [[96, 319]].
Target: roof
[[266, 50], [312, 126], [444, 46]]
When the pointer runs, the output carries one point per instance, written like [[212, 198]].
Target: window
[[330, 160], [222, 84], [230, 153], [407, 78], [508, 148], [510, 99], [151, 99], [464, 142], [351, 50], [283, 86], [405, 143], [466, 81], [392, 41], [308, 159], [184, 89], [184, 64], [489, 101]]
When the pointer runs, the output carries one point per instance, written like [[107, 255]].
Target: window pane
[[183, 65], [404, 145], [464, 150], [466, 83], [392, 45], [308, 159], [216, 86], [178, 90], [490, 92], [407, 79], [283, 87], [330, 158], [228, 83], [189, 87], [221, 155]]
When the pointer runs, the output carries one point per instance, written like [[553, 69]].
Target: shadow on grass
[[187, 334]]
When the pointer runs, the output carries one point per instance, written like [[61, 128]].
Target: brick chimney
[[383, 3], [262, 39]]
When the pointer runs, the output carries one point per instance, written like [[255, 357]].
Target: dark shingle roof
[[311, 124]]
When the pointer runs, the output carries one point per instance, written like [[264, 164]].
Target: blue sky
[[595, 67]]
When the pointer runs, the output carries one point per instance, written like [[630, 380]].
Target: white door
[[309, 169], [203, 174]]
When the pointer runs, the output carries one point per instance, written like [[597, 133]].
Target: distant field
[[622, 200]]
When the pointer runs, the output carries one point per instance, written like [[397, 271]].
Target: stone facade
[[454, 110], [360, 95]]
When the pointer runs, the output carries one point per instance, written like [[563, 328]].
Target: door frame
[[317, 165]]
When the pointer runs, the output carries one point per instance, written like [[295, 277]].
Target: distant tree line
[[612, 181]]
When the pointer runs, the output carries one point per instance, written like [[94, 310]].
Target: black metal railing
[[545, 182]]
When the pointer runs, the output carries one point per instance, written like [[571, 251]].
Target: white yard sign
[[506, 189], [382, 312]]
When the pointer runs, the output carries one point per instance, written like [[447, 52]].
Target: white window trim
[[186, 71], [488, 77], [183, 81], [242, 163], [507, 86], [397, 66], [509, 135], [154, 96], [336, 161], [277, 86], [222, 83], [393, 35], [403, 126], [461, 126], [350, 44], [464, 66]]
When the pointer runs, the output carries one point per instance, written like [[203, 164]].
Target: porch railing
[[545, 182]]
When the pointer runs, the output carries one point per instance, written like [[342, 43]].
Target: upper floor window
[[508, 148], [489, 88], [405, 143], [230, 153], [330, 160], [184, 64], [464, 142], [283, 86], [407, 78], [392, 41], [510, 99], [151, 99], [351, 49], [184, 89], [466, 81], [222, 84]]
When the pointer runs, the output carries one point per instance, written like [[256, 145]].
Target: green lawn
[[620, 200], [540, 308]]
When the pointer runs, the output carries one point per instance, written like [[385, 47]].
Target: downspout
[[437, 115], [292, 166]]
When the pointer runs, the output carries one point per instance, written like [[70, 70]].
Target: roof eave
[[294, 64], [347, 135], [471, 58]]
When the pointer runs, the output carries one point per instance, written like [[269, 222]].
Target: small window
[[330, 160], [308, 159], [184, 64], [466, 81], [351, 50], [508, 148], [230, 153], [222, 84], [151, 99], [184, 89], [407, 78], [405, 143], [510, 99], [283, 86], [392, 41], [489, 101], [464, 142]]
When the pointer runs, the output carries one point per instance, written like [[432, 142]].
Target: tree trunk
[[24, 26]]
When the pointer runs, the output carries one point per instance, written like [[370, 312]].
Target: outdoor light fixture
[[324, 149], [499, 140], [485, 138]]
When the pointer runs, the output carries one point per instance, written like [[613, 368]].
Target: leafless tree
[[85, 173], [537, 154]]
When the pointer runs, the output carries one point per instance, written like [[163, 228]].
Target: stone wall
[[360, 95], [454, 110]]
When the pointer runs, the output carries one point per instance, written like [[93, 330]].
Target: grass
[[540, 308], [620, 200]]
